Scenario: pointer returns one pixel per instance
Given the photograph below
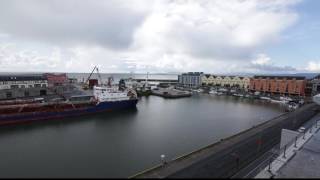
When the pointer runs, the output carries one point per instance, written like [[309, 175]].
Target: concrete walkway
[[301, 160]]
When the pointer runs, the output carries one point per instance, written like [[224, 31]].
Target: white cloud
[[313, 66], [263, 64], [140, 36], [262, 59]]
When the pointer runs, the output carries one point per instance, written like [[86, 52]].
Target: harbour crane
[[86, 86]]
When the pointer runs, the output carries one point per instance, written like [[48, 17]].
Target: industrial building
[[14, 86], [33, 85]]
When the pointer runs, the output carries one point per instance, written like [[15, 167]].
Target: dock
[[170, 93]]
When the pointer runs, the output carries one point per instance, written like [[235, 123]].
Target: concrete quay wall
[[226, 157]]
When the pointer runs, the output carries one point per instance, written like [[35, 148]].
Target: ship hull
[[37, 116]]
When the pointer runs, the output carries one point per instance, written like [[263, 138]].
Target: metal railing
[[281, 151]]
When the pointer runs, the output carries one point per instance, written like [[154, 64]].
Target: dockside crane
[[86, 85]]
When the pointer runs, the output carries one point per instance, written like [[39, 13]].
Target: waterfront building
[[313, 86], [22, 81], [190, 79], [56, 79], [283, 85], [15, 86], [226, 81]]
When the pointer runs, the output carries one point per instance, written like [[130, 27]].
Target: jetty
[[170, 93]]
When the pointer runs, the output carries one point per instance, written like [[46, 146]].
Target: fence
[[239, 152], [282, 152]]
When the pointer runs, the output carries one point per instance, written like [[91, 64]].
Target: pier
[[226, 157], [170, 93]]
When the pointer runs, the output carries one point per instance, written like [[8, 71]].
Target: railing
[[282, 151]]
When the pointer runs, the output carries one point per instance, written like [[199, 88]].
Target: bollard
[[270, 162], [310, 130], [304, 135], [295, 142], [163, 160], [284, 152]]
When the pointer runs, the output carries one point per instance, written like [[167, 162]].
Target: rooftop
[[282, 77], [21, 77]]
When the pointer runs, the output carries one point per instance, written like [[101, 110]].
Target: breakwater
[[226, 157]]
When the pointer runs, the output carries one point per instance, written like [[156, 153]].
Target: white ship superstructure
[[103, 94]]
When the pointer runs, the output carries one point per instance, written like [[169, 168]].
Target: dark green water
[[120, 144]]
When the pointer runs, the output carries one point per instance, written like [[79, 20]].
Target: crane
[[85, 86]]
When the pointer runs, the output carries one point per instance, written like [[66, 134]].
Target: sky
[[160, 36]]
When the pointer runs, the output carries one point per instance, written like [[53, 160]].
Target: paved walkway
[[306, 163], [302, 160]]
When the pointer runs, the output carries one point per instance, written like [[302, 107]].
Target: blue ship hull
[[101, 107]]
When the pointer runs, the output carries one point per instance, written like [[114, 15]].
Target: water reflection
[[121, 143]]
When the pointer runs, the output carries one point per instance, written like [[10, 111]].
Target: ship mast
[[146, 85]]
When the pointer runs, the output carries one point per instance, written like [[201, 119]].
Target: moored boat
[[103, 99]]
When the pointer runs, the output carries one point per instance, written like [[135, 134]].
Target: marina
[[137, 114]]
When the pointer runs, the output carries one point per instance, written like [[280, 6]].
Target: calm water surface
[[120, 144]]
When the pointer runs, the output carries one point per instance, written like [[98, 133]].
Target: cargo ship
[[103, 99]]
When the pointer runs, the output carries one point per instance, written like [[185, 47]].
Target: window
[[43, 92], [14, 86], [9, 94], [26, 93], [37, 85]]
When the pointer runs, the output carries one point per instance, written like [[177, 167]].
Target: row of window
[[26, 94], [297, 90], [22, 82], [22, 86]]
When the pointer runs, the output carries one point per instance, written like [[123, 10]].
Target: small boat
[[213, 92], [265, 98], [286, 99], [232, 91], [238, 95], [200, 90], [277, 101], [220, 93], [223, 90]]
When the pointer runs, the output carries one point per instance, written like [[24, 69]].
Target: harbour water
[[120, 144]]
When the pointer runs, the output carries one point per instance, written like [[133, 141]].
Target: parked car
[[302, 129]]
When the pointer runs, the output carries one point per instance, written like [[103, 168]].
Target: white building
[[19, 81], [190, 79], [226, 81]]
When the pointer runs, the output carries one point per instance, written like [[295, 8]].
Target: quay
[[170, 93], [299, 159], [167, 82], [226, 157]]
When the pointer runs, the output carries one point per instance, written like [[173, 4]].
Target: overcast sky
[[212, 36]]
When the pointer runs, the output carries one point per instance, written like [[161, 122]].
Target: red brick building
[[56, 79], [285, 85]]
